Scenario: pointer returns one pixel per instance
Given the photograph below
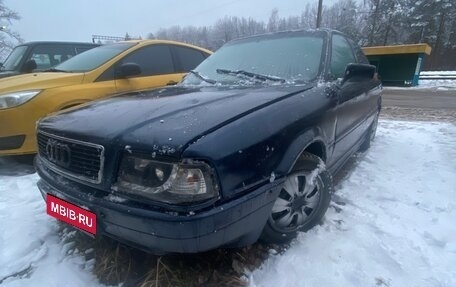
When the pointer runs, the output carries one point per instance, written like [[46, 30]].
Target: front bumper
[[236, 223], [17, 130]]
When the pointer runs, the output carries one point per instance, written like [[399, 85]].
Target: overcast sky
[[78, 20]]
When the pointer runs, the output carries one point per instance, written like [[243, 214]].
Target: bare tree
[[344, 16], [368, 22], [308, 17], [8, 38], [273, 23]]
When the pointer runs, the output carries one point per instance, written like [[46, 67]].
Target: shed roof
[[398, 49]]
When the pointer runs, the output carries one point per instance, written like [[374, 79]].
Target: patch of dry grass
[[115, 263]]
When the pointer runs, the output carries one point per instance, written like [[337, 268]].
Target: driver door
[[354, 98]]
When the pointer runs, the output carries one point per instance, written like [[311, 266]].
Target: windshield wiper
[[202, 77], [250, 75], [55, 70]]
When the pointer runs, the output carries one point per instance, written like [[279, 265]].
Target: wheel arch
[[310, 141], [316, 148]]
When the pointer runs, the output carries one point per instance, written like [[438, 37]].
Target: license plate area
[[71, 214]]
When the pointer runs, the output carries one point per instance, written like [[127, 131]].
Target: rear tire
[[302, 202]]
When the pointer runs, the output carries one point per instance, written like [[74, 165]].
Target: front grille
[[72, 158]]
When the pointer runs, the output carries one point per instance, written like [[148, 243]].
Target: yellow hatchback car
[[99, 72]]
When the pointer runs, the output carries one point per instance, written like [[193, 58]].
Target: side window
[[341, 55], [47, 56], [359, 53], [108, 75], [42, 60], [153, 60], [188, 58]]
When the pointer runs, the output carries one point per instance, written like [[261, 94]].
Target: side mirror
[[128, 70], [359, 72], [29, 66]]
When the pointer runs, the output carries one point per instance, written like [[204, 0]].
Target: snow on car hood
[[171, 117]]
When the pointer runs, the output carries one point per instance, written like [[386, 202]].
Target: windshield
[[272, 59], [93, 58], [14, 59]]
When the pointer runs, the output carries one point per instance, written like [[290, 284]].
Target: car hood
[[165, 120], [43, 80], [5, 74]]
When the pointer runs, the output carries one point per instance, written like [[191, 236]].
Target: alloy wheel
[[297, 201]]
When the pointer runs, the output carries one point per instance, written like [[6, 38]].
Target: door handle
[[171, 83]]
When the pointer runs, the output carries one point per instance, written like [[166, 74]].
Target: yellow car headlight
[[14, 99]]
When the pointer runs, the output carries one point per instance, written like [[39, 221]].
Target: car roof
[[34, 43], [326, 32], [158, 41]]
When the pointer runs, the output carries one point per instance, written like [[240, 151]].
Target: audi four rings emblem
[[58, 153]]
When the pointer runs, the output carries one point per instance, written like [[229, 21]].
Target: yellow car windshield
[[93, 58]]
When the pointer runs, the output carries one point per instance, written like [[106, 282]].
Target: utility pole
[[320, 8]]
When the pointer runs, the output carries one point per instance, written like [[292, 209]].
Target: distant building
[[398, 65]]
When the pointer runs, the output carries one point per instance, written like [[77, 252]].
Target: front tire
[[302, 202]]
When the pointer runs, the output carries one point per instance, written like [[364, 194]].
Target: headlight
[[170, 183], [15, 99]]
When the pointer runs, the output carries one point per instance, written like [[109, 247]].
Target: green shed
[[398, 65]]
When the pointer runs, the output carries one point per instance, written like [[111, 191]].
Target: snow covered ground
[[438, 73], [434, 80], [432, 85], [440, 85], [31, 252], [444, 80], [392, 223]]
